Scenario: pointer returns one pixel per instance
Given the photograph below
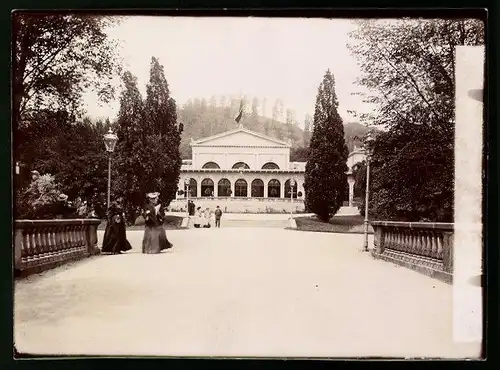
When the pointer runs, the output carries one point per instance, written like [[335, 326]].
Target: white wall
[[226, 157]]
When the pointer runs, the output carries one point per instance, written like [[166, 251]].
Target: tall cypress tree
[[325, 176], [128, 163], [164, 134]]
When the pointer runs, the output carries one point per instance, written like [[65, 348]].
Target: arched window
[[207, 188], [224, 188], [257, 188], [270, 166], [240, 188], [287, 189], [241, 165], [193, 188], [273, 189], [211, 165]]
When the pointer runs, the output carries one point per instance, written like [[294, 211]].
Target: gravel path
[[238, 292]]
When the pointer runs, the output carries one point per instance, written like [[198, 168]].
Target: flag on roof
[[238, 117]]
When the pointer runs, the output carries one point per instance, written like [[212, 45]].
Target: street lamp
[[110, 140], [292, 184], [367, 147], [187, 182]]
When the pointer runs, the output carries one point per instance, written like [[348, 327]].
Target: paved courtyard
[[238, 292]]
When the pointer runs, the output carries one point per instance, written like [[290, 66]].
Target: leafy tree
[[255, 107], [408, 73], [73, 153], [325, 177], [299, 154], [263, 111], [149, 139], [131, 130], [57, 56], [162, 114], [308, 122], [38, 199]]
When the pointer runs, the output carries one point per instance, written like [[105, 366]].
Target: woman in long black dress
[[155, 239], [115, 236]]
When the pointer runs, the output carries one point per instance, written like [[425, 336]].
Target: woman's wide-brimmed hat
[[153, 195], [62, 197]]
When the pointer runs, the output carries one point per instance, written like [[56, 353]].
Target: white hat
[[153, 195], [62, 197]]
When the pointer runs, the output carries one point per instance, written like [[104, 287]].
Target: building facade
[[243, 171]]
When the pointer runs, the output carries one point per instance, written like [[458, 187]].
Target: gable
[[240, 137]]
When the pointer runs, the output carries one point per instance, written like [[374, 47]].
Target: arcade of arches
[[243, 187]]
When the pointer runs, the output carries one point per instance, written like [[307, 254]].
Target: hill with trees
[[202, 118]]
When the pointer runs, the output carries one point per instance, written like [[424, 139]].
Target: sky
[[263, 57]]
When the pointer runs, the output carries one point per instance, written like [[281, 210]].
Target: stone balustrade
[[243, 204], [423, 246], [43, 244]]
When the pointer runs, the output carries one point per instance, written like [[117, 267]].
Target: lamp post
[[292, 184], [367, 147], [187, 182], [110, 140]]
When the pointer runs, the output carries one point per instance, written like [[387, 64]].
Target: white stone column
[[198, 186], [232, 187], [350, 181], [265, 187], [249, 186], [282, 187], [216, 187]]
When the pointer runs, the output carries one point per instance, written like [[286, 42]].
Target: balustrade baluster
[[70, 236], [64, 238], [428, 246], [50, 244], [38, 242], [58, 239], [26, 244], [434, 244], [74, 237], [439, 240], [43, 240], [30, 251], [81, 236], [421, 242], [400, 242], [71, 241]]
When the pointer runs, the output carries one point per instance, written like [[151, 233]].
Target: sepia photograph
[[247, 186]]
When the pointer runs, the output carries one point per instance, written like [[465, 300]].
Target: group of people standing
[[202, 217], [155, 238]]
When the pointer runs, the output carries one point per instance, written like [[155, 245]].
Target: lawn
[[170, 223], [337, 224]]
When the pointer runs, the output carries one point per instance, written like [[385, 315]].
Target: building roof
[[241, 137]]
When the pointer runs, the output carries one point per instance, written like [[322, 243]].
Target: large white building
[[244, 171]]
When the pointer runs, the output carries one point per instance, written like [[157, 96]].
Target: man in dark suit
[[218, 215]]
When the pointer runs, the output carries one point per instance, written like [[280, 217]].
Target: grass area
[[337, 224], [170, 223]]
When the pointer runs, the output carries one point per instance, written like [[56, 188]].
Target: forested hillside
[[201, 119]]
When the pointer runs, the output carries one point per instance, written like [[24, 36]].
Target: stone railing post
[[18, 248], [448, 252], [379, 239], [91, 237]]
